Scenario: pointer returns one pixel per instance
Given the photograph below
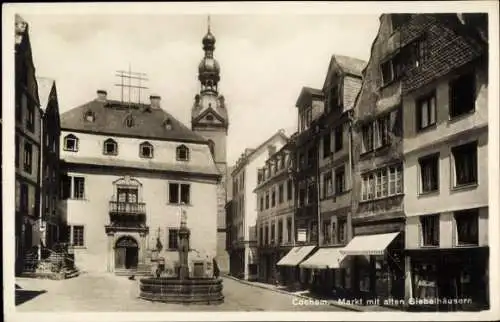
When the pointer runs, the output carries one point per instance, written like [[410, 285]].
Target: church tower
[[209, 118]]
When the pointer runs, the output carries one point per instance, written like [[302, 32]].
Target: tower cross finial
[[208, 19]]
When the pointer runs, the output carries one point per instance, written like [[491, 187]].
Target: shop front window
[[364, 274], [425, 281], [364, 280], [383, 276], [347, 278]]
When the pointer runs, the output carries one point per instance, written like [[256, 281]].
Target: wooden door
[[120, 256], [131, 257]]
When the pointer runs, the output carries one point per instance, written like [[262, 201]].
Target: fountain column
[[183, 247]]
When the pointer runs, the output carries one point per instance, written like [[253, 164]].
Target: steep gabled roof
[[110, 118], [45, 86], [252, 152], [308, 93], [348, 65]]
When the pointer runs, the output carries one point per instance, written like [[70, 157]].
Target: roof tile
[[110, 118]]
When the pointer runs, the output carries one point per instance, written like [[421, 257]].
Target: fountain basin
[[184, 291]]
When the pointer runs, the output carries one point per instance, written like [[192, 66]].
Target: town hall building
[[131, 170]]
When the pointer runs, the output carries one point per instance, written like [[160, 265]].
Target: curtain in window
[[384, 183], [432, 110], [394, 126], [465, 166], [377, 133], [364, 190], [427, 176], [378, 184], [424, 112], [399, 180], [371, 186], [392, 181]]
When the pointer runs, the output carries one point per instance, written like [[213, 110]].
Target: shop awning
[[324, 258], [369, 244], [295, 256]]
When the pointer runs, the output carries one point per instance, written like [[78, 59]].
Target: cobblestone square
[[107, 292]]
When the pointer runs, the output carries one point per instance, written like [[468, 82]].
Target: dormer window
[[71, 143], [90, 116], [129, 121], [110, 147], [182, 153], [167, 124], [146, 150]]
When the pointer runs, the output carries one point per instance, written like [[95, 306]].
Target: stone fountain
[[182, 288]]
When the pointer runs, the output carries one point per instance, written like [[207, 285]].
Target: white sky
[[265, 60]]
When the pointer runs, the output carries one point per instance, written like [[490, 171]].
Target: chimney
[[102, 95], [155, 101]]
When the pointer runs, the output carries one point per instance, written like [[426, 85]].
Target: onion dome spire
[[209, 70]]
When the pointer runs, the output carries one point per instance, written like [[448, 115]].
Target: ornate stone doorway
[[126, 253]]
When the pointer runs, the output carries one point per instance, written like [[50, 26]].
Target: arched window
[[89, 116], [110, 147], [71, 143], [129, 121], [167, 124], [146, 150], [182, 153], [211, 146]]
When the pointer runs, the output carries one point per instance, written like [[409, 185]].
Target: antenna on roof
[[139, 77]]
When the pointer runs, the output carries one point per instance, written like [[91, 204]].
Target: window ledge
[[78, 199], [79, 247], [469, 186], [389, 83], [68, 150], [179, 205], [382, 198], [375, 150], [428, 128], [429, 246], [342, 193], [457, 118], [425, 194], [467, 245]]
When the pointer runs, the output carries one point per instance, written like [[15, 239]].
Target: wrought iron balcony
[[127, 208]]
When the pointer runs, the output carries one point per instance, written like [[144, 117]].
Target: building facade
[[130, 170], [341, 86], [243, 252], [210, 119], [51, 221], [275, 213], [27, 149], [378, 213], [305, 177], [446, 161]]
